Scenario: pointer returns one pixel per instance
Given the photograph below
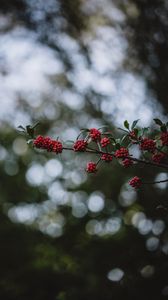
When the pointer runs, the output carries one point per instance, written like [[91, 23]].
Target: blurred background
[[72, 64]]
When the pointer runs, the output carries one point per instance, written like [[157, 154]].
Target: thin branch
[[146, 162], [153, 182]]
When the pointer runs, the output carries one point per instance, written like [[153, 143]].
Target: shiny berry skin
[[38, 142], [121, 153], [105, 142], [107, 157], [42, 142], [164, 138], [158, 157], [80, 145], [57, 147], [48, 144], [127, 162], [135, 182], [133, 135], [148, 145], [95, 134], [91, 167]]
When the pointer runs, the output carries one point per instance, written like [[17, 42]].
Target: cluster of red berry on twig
[[153, 147]]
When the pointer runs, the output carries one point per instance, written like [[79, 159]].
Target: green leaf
[[134, 124], [84, 129], [145, 130], [122, 129], [158, 122], [104, 126], [126, 124], [118, 146], [136, 131], [30, 131], [21, 127], [29, 141], [124, 138], [163, 128]]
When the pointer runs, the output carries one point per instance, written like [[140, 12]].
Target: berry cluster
[[105, 142], [133, 135], [135, 182], [91, 167], [80, 145], [95, 134], [121, 153], [48, 144], [127, 162], [148, 144], [158, 157], [164, 138], [106, 157], [155, 150]]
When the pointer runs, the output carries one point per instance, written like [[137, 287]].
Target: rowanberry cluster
[[106, 157], [105, 142], [95, 140], [95, 134], [158, 157], [127, 162], [122, 152], [148, 144], [80, 145], [164, 138], [135, 182], [91, 167], [48, 144]]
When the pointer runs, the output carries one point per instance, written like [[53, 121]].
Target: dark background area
[[54, 243]]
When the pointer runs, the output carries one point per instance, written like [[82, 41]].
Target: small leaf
[[118, 146], [126, 124], [30, 131], [136, 131], [122, 129], [34, 126], [104, 126], [158, 122], [163, 128], [29, 141], [124, 138], [145, 130], [84, 129], [21, 127], [134, 124]]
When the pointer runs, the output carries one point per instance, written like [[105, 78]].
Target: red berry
[[91, 167], [80, 145], [105, 142], [127, 162], [158, 157], [48, 144], [121, 153], [148, 144], [164, 138], [57, 147], [135, 182], [133, 135], [39, 141], [106, 157], [95, 134]]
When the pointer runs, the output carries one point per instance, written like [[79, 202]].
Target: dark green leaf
[[122, 129], [126, 124], [163, 128], [158, 122], [21, 127], [118, 146], [134, 124]]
